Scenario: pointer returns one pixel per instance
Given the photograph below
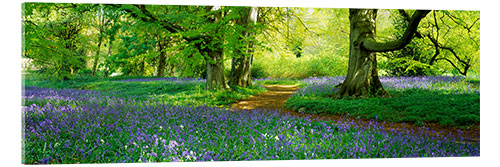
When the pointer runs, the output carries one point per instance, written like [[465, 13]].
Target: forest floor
[[275, 98]]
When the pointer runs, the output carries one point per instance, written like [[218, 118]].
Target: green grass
[[177, 93], [102, 130], [199, 96], [410, 106], [280, 81], [473, 79]]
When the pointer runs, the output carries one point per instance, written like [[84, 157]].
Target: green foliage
[[410, 106], [405, 66], [318, 35], [306, 66], [172, 92], [60, 40], [412, 60], [446, 42], [133, 56], [258, 71], [279, 81], [53, 40], [473, 78]]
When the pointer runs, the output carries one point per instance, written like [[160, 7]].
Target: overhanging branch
[[144, 15], [374, 46], [170, 27], [408, 19]]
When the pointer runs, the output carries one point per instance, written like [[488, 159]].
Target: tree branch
[[374, 46], [454, 66], [170, 27], [436, 47], [408, 19], [148, 17], [303, 24], [455, 54]]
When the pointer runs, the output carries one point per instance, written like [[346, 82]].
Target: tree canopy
[[214, 42]]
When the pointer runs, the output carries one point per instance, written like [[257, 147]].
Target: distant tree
[[105, 20], [200, 27], [52, 38]]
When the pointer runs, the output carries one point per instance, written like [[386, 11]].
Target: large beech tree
[[214, 52], [362, 79], [207, 42], [242, 61]]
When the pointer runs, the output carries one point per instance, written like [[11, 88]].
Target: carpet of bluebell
[[80, 126]]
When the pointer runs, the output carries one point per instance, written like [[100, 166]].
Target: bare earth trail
[[275, 98]]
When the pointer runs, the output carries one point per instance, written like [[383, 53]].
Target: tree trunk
[[96, 59], [161, 60], [240, 71], [110, 47], [362, 76], [142, 66], [214, 56], [242, 63], [215, 70]]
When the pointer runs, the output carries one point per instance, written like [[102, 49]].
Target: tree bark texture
[[96, 59], [240, 71], [111, 34], [362, 76], [110, 48], [215, 58], [215, 70], [162, 58], [241, 66]]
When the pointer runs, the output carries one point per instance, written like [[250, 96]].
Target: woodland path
[[275, 98]]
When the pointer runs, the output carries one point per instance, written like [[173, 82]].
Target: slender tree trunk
[[162, 58], [142, 66], [96, 59], [102, 23], [242, 64], [110, 47]]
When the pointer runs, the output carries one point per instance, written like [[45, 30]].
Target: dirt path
[[277, 95], [275, 98]]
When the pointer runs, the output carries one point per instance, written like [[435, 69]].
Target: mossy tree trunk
[[162, 44], [242, 62], [215, 70], [214, 54], [362, 79]]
